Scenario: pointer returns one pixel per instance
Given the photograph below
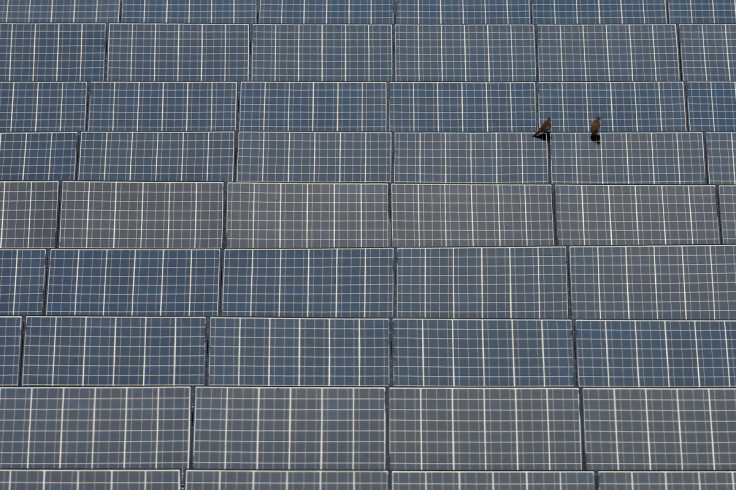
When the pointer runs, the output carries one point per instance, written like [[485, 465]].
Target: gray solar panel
[[22, 279], [721, 152], [727, 201], [482, 283], [289, 428], [492, 480], [461, 12], [599, 12], [701, 11], [141, 215], [708, 52], [110, 351], [465, 53], [460, 215], [484, 429], [42, 106], [286, 480], [298, 352], [665, 480], [663, 429], [711, 105], [261, 215], [28, 214], [90, 479], [59, 10], [189, 11], [330, 12], [88, 428], [10, 330], [38, 156]]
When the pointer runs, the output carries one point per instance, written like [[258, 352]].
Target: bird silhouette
[[595, 127], [544, 128]]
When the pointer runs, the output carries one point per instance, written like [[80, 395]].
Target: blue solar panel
[[307, 480], [599, 11], [59, 10], [22, 278], [189, 11], [665, 480], [305, 106], [330, 12], [38, 156], [352, 283], [461, 12], [10, 330], [28, 214], [471, 106], [711, 105], [109, 351], [45, 106], [701, 11], [708, 52], [493, 480], [727, 200], [90, 479], [133, 282], [298, 352], [721, 151]]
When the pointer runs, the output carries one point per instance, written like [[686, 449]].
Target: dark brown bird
[[595, 127], [544, 128]]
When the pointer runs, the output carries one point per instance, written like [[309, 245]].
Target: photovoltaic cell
[[629, 158], [298, 352], [269, 215], [690, 282], [133, 282], [461, 215], [286, 480], [727, 200], [472, 106], [484, 429], [28, 214], [655, 353], [141, 215], [665, 480], [599, 12], [482, 283], [161, 106], [190, 11], [623, 106], [10, 329], [322, 53], [22, 278], [177, 52], [110, 351], [330, 12], [496, 480], [708, 52], [461, 12], [90, 479], [42, 106], [52, 52], [711, 105], [289, 428], [313, 106], [482, 353], [353, 283], [465, 53], [477, 158], [38, 156], [663, 429], [721, 152], [314, 157], [193, 157], [59, 10], [636, 215], [575, 53], [702, 11], [121, 428]]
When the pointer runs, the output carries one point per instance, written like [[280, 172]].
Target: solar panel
[[133, 282], [727, 202], [623, 106], [286, 480], [663, 429], [482, 283], [177, 52], [162, 106], [465, 53], [663, 282], [269, 215], [628, 158], [701, 11], [472, 106], [314, 157], [59, 10], [298, 352], [574, 53], [461, 12], [141, 215], [478, 158], [458, 215], [482, 353], [44, 106], [636, 215], [348, 283], [193, 157], [109, 351], [710, 105], [289, 428], [52, 52], [28, 214], [88, 428], [708, 52], [10, 329], [331, 12], [484, 429], [313, 106], [721, 153], [630, 353], [22, 279], [599, 12], [322, 53], [90, 479], [190, 11], [496, 480], [38, 156], [665, 480]]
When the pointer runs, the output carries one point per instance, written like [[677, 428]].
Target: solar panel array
[[313, 245]]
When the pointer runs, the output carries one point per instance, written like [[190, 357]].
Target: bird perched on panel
[[595, 127], [544, 128]]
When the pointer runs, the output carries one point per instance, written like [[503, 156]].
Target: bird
[[595, 127], [544, 128]]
